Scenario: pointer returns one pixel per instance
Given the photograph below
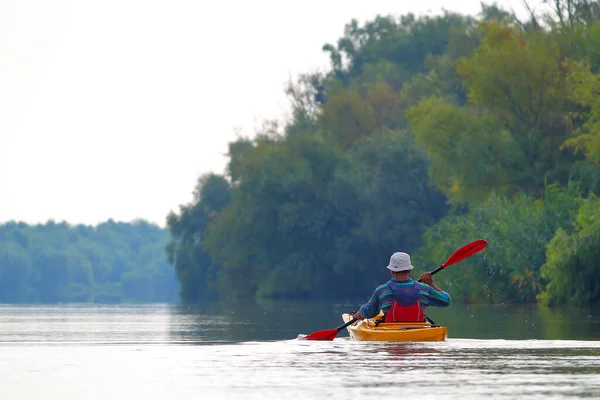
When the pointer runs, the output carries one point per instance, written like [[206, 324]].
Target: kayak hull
[[366, 330]]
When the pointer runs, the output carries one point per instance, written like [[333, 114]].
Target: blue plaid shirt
[[383, 296]]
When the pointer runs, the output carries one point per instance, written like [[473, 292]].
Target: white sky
[[113, 108]]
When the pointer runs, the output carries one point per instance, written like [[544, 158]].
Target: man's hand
[[427, 278], [357, 316]]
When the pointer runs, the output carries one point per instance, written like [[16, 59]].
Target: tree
[[508, 138], [57, 262], [15, 269], [195, 269], [517, 231], [572, 260]]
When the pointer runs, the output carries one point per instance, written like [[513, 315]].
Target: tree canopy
[[424, 133], [112, 262]]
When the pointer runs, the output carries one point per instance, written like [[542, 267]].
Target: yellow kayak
[[395, 331]]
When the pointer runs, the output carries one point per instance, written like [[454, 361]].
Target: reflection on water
[[270, 320], [249, 351], [518, 322], [400, 351]]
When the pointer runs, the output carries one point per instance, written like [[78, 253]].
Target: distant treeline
[[112, 262], [424, 134]]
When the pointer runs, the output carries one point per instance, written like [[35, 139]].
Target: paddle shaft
[[353, 320]]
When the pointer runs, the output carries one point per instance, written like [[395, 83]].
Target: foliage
[[517, 232], [195, 269], [586, 93], [572, 260], [516, 119], [425, 132], [386, 201], [111, 262], [280, 217]]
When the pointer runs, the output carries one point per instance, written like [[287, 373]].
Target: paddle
[[459, 255]]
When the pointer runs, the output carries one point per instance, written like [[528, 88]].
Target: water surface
[[251, 351]]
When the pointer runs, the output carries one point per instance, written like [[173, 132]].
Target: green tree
[[279, 214], [58, 262], [517, 231], [572, 260], [15, 269], [195, 269], [385, 201], [53, 277], [514, 123]]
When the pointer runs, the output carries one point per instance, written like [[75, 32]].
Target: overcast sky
[[113, 108]]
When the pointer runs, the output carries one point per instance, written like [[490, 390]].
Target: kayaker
[[402, 298]]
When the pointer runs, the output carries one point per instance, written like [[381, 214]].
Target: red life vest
[[406, 305]]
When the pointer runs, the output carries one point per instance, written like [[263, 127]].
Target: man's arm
[[437, 297], [370, 309]]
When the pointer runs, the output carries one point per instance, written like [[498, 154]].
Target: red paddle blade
[[328, 334], [466, 251]]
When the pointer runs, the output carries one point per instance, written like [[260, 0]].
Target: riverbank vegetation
[[425, 133], [112, 262]]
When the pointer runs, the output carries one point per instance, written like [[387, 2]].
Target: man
[[401, 298]]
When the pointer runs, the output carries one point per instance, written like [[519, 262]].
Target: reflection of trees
[[251, 320], [284, 320], [569, 323], [515, 322]]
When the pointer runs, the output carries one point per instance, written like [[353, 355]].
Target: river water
[[252, 351]]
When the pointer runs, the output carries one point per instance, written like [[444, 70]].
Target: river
[[252, 351]]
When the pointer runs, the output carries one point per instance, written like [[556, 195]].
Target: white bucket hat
[[400, 262]]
